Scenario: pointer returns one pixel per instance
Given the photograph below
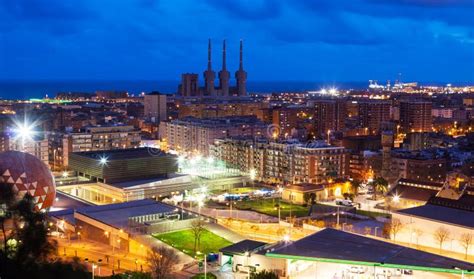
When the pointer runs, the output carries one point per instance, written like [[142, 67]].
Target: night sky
[[333, 40]]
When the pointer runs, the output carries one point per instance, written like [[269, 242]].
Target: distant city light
[[65, 174]]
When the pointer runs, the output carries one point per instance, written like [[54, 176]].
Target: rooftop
[[242, 247], [444, 214], [305, 187], [121, 154], [117, 214], [338, 246]]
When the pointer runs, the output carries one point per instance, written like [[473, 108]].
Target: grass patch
[[267, 206], [184, 241], [201, 276], [373, 214]]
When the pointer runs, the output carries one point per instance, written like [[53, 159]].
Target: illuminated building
[[155, 107], [329, 115], [423, 225], [122, 165], [332, 252], [415, 116], [363, 151], [372, 114], [117, 225], [92, 139], [296, 193], [288, 119], [285, 162], [195, 135], [420, 166], [217, 108]]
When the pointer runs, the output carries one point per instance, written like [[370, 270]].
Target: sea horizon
[[28, 89]]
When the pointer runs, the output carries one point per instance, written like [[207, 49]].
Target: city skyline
[[427, 41]]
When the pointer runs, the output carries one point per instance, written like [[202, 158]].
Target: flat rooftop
[[444, 214], [243, 246], [121, 154], [63, 201], [117, 214], [338, 246]]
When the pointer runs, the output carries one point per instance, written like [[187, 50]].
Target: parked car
[[357, 269], [344, 202]]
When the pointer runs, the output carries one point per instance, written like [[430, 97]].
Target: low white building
[[441, 223], [336, 254]]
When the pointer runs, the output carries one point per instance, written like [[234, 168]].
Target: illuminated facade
[[286, 162]]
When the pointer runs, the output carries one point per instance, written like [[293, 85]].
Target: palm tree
[[380, 185], [355, 185]]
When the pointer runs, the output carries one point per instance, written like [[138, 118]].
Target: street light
[[462, 271], [24, 131], [396, 198], [103, 160]]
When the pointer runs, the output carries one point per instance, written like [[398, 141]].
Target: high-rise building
[[155, 107], [195, 135], [329, 116], [415, 116], [283, 162], [372, 114], [91, 139]]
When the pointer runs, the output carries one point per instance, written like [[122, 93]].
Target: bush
[[201, 276]]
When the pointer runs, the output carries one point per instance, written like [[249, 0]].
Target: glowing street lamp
[[65, 174], [210, 160], [103, 160], [396, 198], [253, 174], [24, 131]]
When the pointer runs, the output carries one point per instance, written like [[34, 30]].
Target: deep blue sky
[[333, 40]]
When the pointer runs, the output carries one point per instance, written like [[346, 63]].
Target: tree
[[441, 235], [418, 233], [32, 232], [30, 257], [379, 185], [466, 240], [264, 274], [392, 228], [162, 261], [355, 185], [7, 199], [197, 227], [312, 197], [306, 198]]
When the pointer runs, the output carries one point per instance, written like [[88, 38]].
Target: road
[[116, 261]]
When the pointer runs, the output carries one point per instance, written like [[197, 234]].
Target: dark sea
[[19, 89]]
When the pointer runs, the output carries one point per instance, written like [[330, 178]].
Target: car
[[357, 269], [344, 202]]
